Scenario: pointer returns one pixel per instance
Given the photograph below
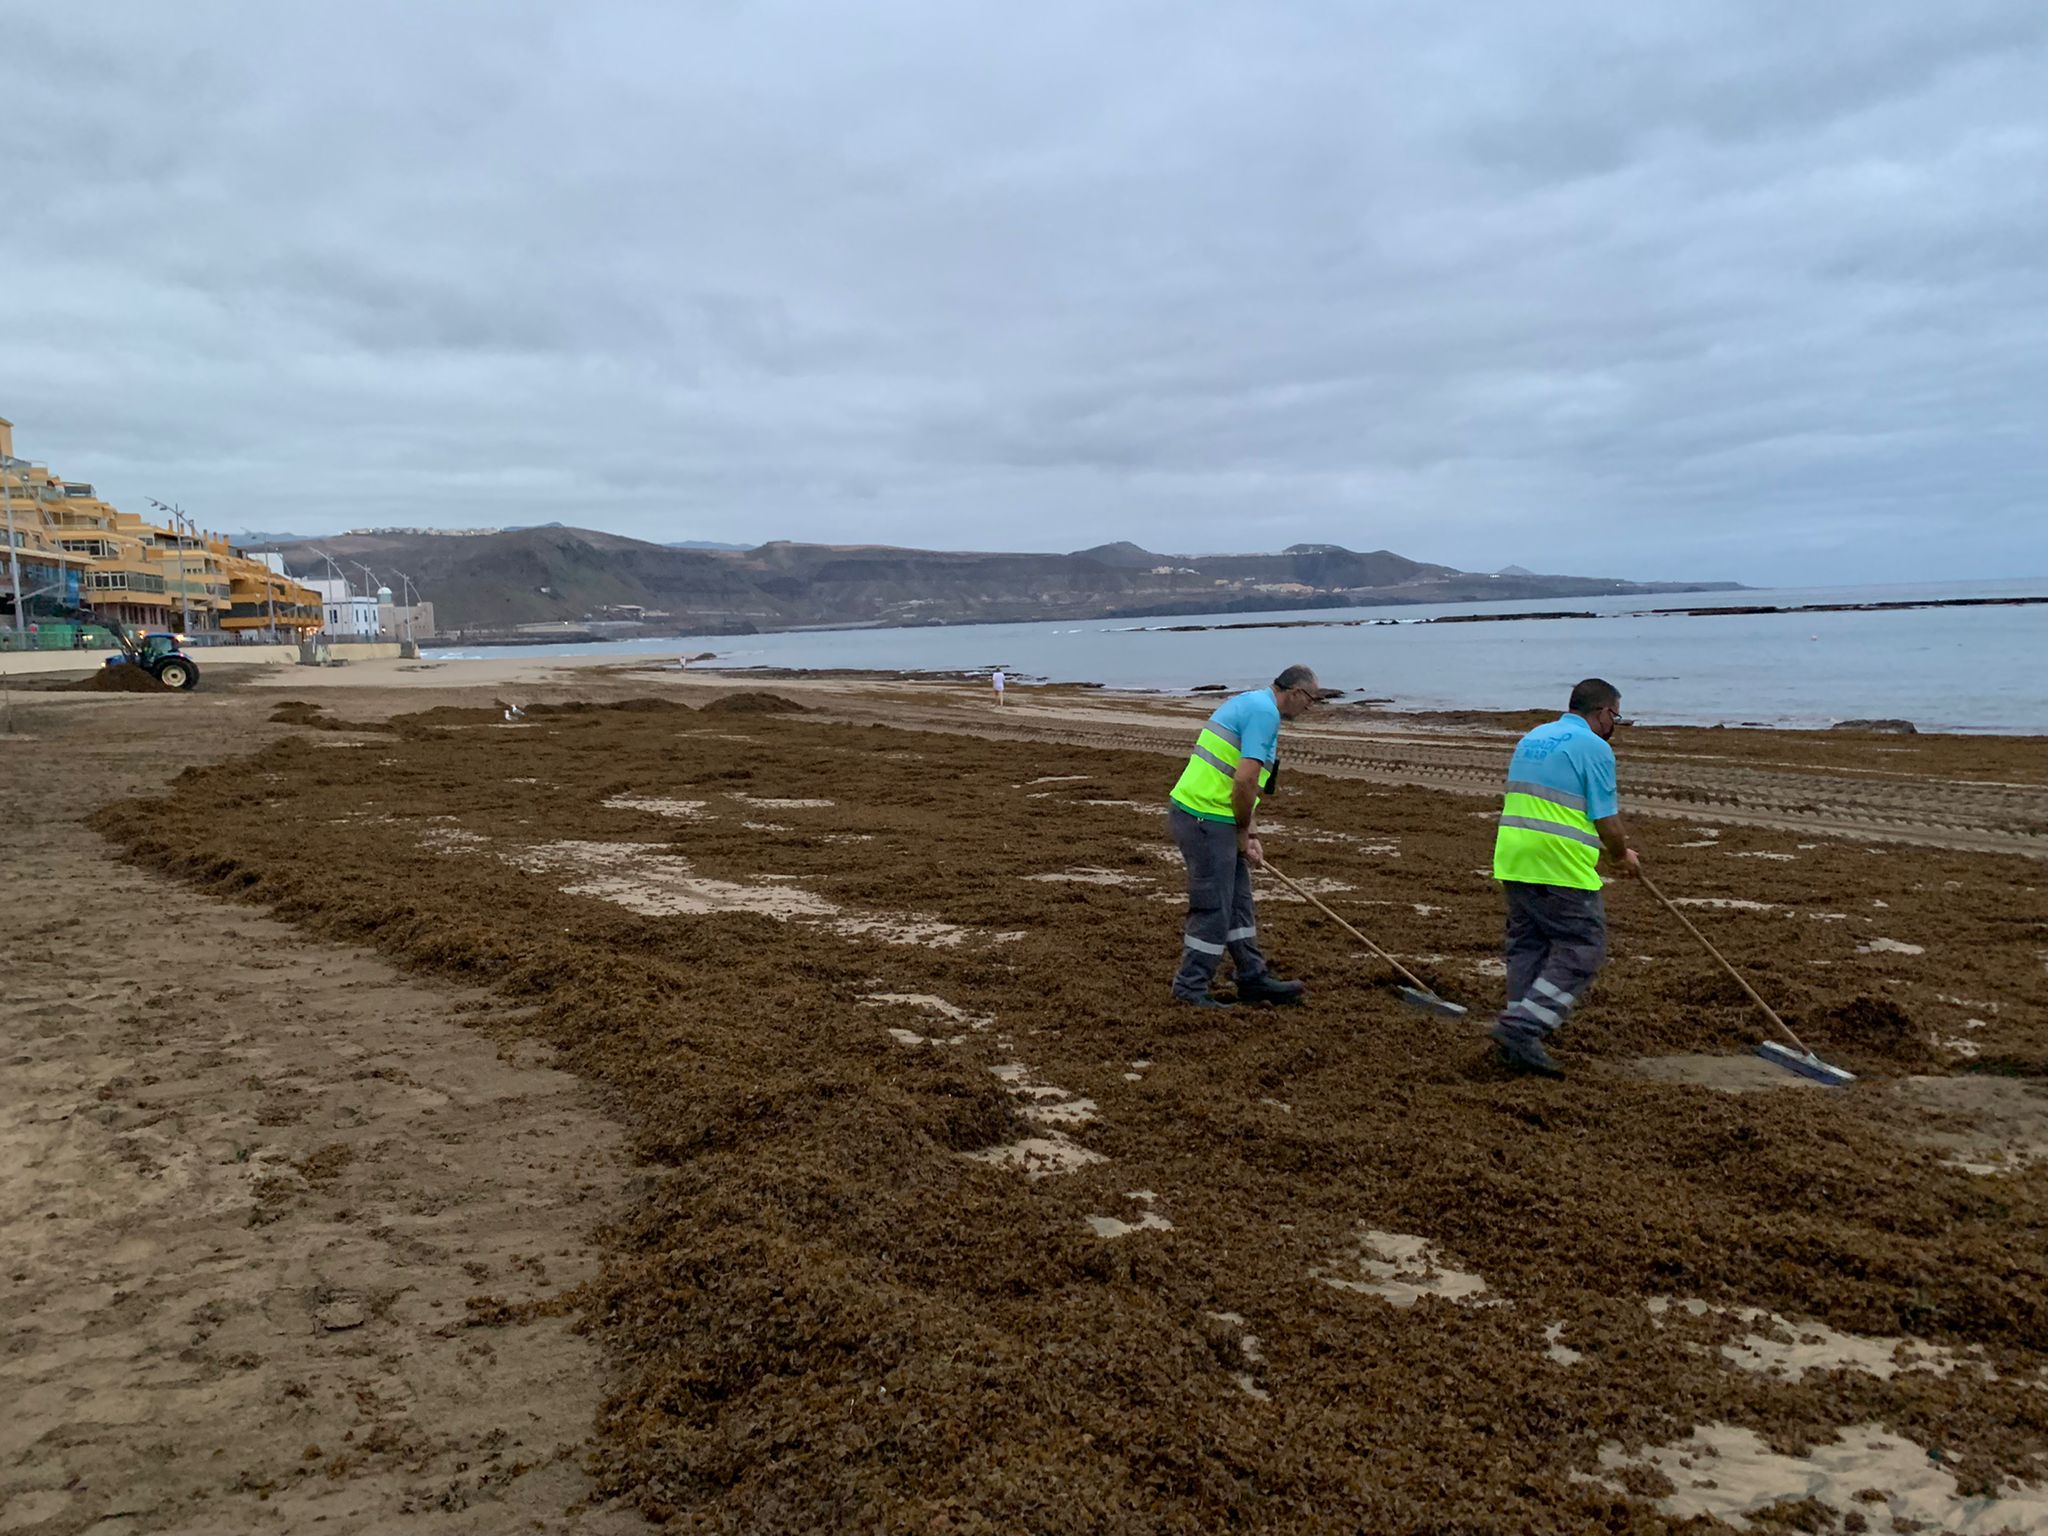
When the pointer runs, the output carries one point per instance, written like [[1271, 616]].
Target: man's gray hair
[[1593, 693], [1296, 676]]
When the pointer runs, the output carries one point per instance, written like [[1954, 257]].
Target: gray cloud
[[1740, 290]]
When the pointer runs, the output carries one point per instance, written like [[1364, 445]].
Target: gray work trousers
[[1556, 941], [1220, 916]]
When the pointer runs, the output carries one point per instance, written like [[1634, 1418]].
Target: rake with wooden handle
[[1415, 995], [1802, 1060]]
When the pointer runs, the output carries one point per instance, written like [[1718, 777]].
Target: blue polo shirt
[[1566, 755], [1560, 782], [1254, 718]]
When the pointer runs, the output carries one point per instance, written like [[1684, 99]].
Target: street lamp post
[[13, 560], [178, 532], [405, 591], [371, 577], [347, 600]]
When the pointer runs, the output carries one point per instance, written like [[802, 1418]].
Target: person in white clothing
[[997, 678]]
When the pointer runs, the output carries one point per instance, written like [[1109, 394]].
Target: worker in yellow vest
[[1559, 812], [1211, 818]]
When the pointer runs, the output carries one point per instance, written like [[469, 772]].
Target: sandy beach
[[756, 1104]]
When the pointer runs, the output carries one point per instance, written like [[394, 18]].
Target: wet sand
[[251, 1182]]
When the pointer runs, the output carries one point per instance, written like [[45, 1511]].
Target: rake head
[[1429, 1002], [1805, 1063]]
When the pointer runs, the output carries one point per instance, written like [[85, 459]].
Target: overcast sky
[[1756, 291]]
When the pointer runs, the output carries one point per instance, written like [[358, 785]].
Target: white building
[[349, 617]]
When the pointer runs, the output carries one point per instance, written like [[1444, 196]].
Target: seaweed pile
[[839, 1302]]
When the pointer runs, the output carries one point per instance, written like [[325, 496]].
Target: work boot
[[1202, 1000], [1267, 988], [1524, 1052]]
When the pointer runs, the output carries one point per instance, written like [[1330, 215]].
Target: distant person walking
[[1212, 816], [996, 677], [1559, 812]]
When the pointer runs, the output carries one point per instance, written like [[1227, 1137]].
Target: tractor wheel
[[177, 673]]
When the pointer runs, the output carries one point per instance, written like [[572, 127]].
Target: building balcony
[[136, 583]]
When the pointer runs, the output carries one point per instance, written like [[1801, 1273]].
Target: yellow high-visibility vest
[[1546, 838], [1204, 786]]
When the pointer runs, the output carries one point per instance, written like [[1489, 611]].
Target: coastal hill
[[497, 582]]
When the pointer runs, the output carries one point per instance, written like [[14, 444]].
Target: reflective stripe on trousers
[[1220, 916], [1556, 944]]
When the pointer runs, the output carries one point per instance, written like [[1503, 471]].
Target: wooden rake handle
[[1754, 996], [1307, 895]]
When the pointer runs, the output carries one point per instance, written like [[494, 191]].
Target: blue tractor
[[157, 653]]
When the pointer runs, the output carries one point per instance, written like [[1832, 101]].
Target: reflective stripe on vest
[[1546, 838], [1204, 786]]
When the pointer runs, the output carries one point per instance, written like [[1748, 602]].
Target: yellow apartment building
[[128, 568], [50, 574], [261, 599]]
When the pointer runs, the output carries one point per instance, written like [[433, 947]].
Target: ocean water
[[1945, 669]]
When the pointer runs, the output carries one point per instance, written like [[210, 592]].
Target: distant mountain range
[[554, 575]]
